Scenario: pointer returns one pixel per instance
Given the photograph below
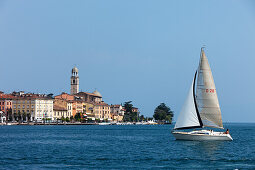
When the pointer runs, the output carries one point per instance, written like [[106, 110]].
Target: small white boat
[[201, 108], [104, 123]]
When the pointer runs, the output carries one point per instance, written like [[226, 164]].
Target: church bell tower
[[74, 81]]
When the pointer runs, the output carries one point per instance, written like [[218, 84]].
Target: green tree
[[63, 119], [77, 117], [28, 117], [19, 116], [9, 115], [67, 119], [129, 115], [71, 118], [163, 113], [142, 118], [128, 111]]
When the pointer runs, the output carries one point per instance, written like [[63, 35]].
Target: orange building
[[6, 102]]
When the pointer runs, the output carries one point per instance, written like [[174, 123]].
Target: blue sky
[[144, 51]]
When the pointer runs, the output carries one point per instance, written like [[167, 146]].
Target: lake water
[[121, 147]]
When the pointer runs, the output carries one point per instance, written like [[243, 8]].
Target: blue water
[[121, 147]]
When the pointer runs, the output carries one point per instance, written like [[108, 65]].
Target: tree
[[142, 118], [129, 115], [28, 117], [77, 117], [63, 119], [163, 113], [71, 118], [9, 115]]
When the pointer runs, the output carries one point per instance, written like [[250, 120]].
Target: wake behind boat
[[201, 108]]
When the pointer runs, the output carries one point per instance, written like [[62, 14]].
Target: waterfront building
[[59, 112], [117, 112], [63, 105], [33, 106], [88, 110], [74, 81], [77, 106], [6, 104], [135, 110], [102, 111]]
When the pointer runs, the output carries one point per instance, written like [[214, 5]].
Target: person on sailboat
[[227, 131]]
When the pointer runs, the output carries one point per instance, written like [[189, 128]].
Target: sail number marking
[[210, 90]]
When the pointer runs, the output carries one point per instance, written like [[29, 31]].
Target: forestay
[[206, 96]]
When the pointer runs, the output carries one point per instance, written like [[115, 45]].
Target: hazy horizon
[[144, 51]]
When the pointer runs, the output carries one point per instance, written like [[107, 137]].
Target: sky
[[144, 51]]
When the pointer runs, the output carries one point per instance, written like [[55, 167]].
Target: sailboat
[[201, 110]]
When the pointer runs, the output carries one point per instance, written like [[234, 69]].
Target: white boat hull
[[203, 135]]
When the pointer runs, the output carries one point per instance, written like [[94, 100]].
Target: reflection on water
[[205, 148]]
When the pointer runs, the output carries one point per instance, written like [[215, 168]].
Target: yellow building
[[59, 112], [61, 108], [34, 106], [88, 110], [102, 111]]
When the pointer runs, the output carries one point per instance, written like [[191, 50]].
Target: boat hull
[[202, 136]]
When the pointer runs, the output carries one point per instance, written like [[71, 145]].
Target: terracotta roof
[[6, 96], [91, 94], [101, 104], [116, 105]]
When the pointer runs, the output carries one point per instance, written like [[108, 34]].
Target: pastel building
[[61, 108], [59, 112], [37, 106], [117, 112], [103, 111], [6, 103]]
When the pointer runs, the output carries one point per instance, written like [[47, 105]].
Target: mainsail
[[206, 96]]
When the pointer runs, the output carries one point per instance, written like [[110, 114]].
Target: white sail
[[188, 117], [206, 96]]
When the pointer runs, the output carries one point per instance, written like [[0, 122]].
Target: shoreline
[[76, 123]]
